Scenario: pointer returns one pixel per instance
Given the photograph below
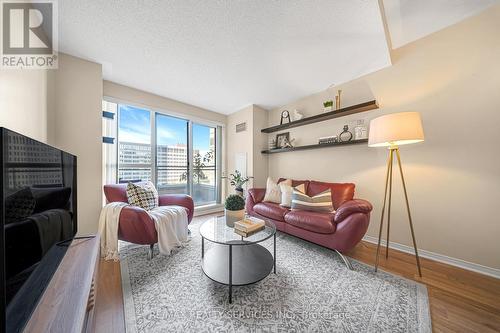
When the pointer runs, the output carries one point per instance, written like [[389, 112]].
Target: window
[[178, 155], [134, 144], [172, 155], [204, 165]]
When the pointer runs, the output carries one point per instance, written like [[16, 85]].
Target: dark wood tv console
[[67, 304]]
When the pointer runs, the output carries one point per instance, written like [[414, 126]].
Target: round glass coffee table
[[234, 260]]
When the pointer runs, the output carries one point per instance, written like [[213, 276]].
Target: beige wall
[[239, 143], [260, 142], [127, 94], [453, 79], [75, 104], [249, 142], [23, 102], [63, 108]]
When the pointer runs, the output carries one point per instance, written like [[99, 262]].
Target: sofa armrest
[[183, 200], [255, 195], [350, 207]]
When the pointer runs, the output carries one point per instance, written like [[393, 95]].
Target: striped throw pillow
[[321, 202]]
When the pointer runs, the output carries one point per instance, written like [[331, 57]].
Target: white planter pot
[[328, 108], [233, 216]]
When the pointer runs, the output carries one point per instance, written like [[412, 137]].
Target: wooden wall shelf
[[371, 105], [316, 146]]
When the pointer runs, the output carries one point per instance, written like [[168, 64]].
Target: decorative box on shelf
[[328, 139]]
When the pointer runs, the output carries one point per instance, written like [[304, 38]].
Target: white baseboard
[[490, 271]]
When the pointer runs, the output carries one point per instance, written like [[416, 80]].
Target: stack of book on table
[[249, 226]]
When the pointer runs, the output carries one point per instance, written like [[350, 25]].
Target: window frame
[[191, 120]]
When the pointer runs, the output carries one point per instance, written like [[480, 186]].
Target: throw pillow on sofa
[[286, 193], [273, 192], [143, 195], [321, 202]]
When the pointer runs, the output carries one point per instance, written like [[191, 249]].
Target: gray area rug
[[313, 291]]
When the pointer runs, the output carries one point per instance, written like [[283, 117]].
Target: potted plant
[[234, 209], [238, 181], [328, 106]]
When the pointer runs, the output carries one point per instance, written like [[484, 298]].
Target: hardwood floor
[[109, 316], [460, 300]]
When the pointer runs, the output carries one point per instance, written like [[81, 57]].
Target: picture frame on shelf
[[282, 139]]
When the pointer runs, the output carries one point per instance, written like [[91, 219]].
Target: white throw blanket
[[108, 229], [171, 223]]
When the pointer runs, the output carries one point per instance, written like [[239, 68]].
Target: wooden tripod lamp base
[[391, 131]]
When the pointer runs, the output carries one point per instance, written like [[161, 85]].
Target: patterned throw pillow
[[273, 192], [143, 195], [321, 202]]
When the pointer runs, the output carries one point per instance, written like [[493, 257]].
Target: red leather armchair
[[135, 225], [339, 231]]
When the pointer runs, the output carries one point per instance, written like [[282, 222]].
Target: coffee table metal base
[[237, 265]]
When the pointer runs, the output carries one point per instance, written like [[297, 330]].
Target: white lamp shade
[[396, 129]]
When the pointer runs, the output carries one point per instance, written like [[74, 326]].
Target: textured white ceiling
[[224, 55], [409, 20]]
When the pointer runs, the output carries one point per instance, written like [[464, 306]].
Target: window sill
[[208, 209]]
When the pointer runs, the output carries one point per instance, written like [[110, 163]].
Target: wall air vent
[[241, 127]]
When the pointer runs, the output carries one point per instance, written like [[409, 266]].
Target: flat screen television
[[38, 219]]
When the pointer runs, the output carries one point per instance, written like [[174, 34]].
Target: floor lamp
[[392, 131]]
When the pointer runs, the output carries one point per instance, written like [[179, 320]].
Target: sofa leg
[[345, 259], [189, 232], [150, 251]]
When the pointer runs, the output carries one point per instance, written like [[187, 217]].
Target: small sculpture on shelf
[[345, 136], [288, 143], [337, 100], [297, 115], [285, 115]]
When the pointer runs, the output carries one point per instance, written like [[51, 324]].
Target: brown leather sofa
[[340, 230]]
